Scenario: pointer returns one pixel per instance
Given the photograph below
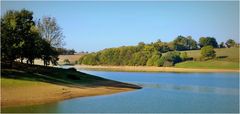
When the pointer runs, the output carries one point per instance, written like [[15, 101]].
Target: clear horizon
[[93, 26]]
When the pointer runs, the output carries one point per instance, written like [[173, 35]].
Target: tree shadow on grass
[[67, 77]]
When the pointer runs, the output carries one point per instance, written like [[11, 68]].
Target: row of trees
[[154, 54], [187, 43], [140, 55], [24, 39], [64, 51]]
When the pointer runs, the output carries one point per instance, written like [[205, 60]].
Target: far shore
[[151, 69]]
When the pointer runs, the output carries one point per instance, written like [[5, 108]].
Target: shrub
[[73, 77], [170, 59], [76, 62], [72, 69], [184, 56], [230, 43], [66, 61], [89, 59], [207, 52], [154, 60]]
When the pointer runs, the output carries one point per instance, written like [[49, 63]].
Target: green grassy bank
[[38, 73], [25, 84], [226, 58]]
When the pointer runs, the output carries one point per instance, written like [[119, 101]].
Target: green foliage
[[230, 43], [17, 35], [90, 59], [170, 59], [184, 56], [21, 39], [210, 64], [145, 54], [154, 60], [66, 61], [161, 46], [184, 43], [208, 41], [140, 58], [221, 45], [64, 51], [207, 52]]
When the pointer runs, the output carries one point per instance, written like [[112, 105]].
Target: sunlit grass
[[230, 54], [211, 64]]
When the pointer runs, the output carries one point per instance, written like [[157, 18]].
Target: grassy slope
[[13, 83], [34, 84], [230, 60], [52, 75]]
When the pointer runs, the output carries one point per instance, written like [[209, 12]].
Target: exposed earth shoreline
[[152, 69], [25, 84], [42, 92]]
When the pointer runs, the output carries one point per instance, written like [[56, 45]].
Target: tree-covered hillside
[[154, 54]]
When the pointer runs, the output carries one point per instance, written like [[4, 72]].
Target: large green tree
[[208, 41], [170, 59], [184, 43], [18, 36], [21, 39]]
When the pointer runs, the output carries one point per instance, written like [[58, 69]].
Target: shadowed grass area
[[24, 84], [56, 76]]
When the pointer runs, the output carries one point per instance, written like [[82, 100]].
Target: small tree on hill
[[184, 56], [208, 41], [207, 52], [170, 59], [66, 61], [222, 45], [230, 43]]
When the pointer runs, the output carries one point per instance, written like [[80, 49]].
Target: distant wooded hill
[[154, 54]]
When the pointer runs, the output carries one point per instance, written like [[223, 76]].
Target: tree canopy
[[153, 54], [185, 43], [230, 43], [208, 41], [208, 52], [21, 39]]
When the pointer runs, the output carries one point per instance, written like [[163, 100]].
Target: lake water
[[162, 92]]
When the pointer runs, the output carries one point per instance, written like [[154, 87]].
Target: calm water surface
[[162, 92]]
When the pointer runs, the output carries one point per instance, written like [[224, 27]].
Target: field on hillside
[[227, 58], [230, 54], [71, 58]]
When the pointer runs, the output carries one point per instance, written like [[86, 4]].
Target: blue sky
[[93, 26]]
